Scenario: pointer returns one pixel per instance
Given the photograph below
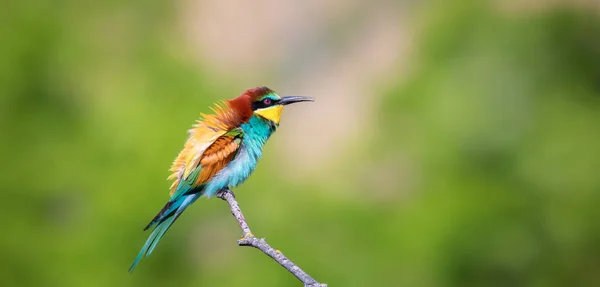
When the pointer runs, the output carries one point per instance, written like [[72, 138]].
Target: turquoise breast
[[256, 133]]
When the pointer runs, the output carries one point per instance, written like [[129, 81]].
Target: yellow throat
[[271, 113]]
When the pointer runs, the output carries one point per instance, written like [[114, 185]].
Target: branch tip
[[250, 240]]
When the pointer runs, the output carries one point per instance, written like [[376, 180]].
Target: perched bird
[[221, 152]]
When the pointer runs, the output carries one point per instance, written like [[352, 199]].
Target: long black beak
[[294, 99]]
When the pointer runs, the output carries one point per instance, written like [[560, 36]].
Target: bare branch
[[250, 240]]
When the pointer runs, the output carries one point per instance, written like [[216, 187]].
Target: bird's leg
[[221, 193]]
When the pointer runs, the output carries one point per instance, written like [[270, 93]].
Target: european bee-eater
[[221, 152]]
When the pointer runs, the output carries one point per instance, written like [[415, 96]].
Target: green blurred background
[[452, 143]]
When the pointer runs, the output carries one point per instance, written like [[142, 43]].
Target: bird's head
[[265, 103]]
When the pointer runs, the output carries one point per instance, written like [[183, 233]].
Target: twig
[[250, 240]]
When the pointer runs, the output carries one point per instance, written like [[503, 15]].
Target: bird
[[222, 150]]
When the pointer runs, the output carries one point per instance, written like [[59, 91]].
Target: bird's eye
[[267, 101]]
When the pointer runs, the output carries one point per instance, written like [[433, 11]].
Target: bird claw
[[221, 193]]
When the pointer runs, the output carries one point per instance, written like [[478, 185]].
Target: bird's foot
[[221, 193]]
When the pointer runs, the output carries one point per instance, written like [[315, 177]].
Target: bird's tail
[[163, 221]]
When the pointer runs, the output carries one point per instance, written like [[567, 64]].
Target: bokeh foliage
[[481, 169]]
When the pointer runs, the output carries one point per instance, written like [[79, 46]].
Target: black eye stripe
[[261, 105]]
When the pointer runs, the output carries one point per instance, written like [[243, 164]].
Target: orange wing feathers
[[207, 145], [217, 156]]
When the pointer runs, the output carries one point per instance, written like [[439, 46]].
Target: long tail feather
[[164, 220], [162, 215]]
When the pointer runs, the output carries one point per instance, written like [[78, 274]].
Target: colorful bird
[[221, 152]]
